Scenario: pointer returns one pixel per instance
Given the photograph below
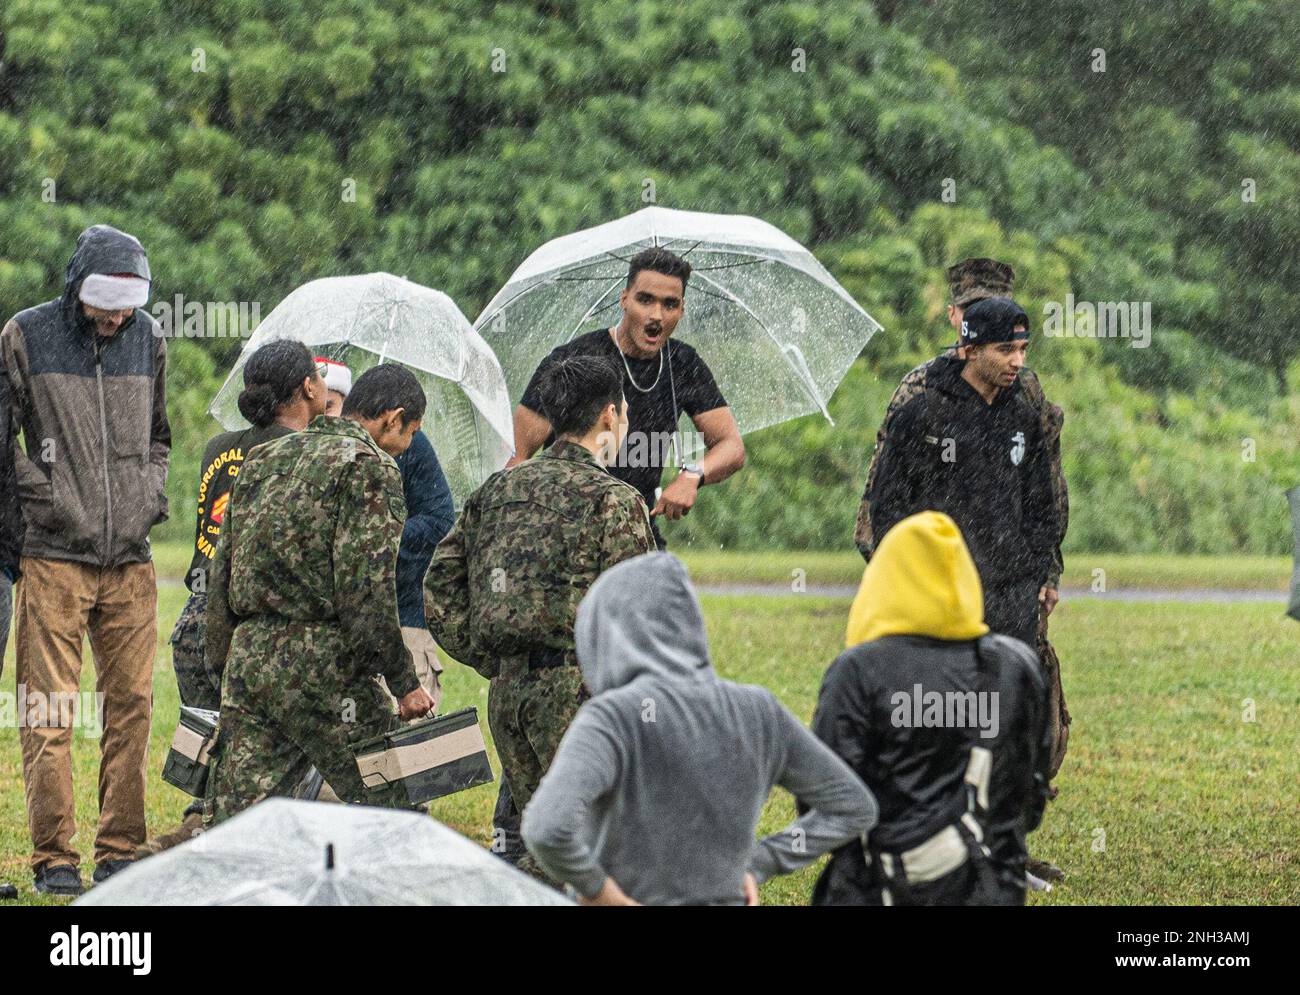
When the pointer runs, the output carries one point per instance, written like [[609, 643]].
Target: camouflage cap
[[974, 279]]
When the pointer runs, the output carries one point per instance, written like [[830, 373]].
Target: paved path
[[1142, 594]]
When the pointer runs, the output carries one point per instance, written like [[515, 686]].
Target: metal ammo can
[[186, 766], [429, 758]]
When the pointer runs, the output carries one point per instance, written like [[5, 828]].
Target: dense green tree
[[253, 146]]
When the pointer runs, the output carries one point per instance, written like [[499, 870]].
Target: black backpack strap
[[979, 768]]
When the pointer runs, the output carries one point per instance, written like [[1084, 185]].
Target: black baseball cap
[[993, 319]]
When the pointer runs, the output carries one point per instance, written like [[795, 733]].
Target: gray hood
[[661, 779], [102, 249], [641, 617]]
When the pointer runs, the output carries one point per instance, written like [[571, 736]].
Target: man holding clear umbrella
[[662, 380]]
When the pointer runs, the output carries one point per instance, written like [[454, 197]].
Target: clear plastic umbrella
[[375, 318], [774, 326], [288, 852]]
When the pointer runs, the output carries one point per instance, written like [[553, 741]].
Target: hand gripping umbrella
[[773, 325]]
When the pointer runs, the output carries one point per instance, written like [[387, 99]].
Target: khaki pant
[[58, 604], [424, 654]]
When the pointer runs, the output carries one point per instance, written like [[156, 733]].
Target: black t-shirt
[[222, 459], [652, 415]]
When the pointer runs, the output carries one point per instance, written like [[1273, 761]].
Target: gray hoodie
[[660, 781]]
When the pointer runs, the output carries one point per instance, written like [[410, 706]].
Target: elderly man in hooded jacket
[[657, 787], [85, 374]]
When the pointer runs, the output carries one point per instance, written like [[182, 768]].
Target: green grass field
[[1168, 796]]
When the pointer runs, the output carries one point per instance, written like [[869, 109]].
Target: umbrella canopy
[[288, 852], [774, 326], [376, 318]]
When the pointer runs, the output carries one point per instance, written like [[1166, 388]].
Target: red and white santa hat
[[337, 375], [114, 291]]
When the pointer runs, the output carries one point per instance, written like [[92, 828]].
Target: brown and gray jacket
[[92, 469]]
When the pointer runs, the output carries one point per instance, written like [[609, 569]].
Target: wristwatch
[[694, 468]]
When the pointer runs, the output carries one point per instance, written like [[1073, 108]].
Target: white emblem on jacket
[[1017, 448]]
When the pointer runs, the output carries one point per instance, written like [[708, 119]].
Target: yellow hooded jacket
[[920, 582]]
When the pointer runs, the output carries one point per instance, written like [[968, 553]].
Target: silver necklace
[[632, 379]]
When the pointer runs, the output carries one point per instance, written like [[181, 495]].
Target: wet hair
[[383, 388], [271, 376], [658, 260], [576, 390]]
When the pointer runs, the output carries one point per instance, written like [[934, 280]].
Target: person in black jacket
[[944, 722], [11, 533], [972, 447], [11, 538], [11, 522], [284, 389]]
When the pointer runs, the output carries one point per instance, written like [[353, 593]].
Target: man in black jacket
[[11, 538], [972, 447], [11, 522], [945, 723]]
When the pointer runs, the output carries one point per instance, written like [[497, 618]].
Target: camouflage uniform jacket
[[1051, 417], [310, 538], [507, 579]]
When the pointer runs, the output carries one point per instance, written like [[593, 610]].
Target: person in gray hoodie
[[657, 788]]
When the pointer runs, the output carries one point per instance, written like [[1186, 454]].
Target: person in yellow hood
[[944, 721], [927, 586]]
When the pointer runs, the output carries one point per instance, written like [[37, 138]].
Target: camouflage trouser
[[1058, 714], [195, 683], [529, 715], [286, 706]]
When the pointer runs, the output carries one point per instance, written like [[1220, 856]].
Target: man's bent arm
[[531, 431], [555, 824], [447, 603], [839, 807], [625, 528], [371, 514], [724, 449]]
